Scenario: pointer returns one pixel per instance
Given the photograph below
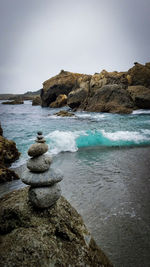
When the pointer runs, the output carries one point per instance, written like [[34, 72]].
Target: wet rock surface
[[52, 237]]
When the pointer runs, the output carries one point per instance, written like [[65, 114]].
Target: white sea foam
[[141, 111], [60, 141], [125, 136]]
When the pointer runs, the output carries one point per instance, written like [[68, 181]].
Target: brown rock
[[140, 95], [53, 237], [60, 101], [63, 83], [139, 75], [64, 113], [7, 175], [14, 102], [8, 151], [36, 101]]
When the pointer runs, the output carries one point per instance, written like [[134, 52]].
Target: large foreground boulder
[[111, 98], [52, 237]]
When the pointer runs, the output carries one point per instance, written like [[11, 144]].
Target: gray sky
[[41, 37]]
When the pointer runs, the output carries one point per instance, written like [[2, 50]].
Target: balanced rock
[[37, 149], [44, 197], [46, 178], [39, 164]]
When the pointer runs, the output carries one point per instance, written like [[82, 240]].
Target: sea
[[105, 161]]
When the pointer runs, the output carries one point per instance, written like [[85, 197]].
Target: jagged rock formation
[[104, 91], [63, 83], [8, 154], [53, 237]]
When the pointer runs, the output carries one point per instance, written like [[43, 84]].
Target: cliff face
[[8, 154], [63, 83], [105, 91], [51, 237]]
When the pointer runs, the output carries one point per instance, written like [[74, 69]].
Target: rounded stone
[[40, 140], [44, 197], [37, 149], [39, 164], [46, 178], [39, 133]]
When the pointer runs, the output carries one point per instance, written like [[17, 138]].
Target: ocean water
[[105, 160]]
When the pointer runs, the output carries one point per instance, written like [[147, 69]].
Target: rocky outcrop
[[111, 98], [140, 96], [8, 154], [14, 102], [60, 101], [63, 83], [53, 237], [36, 101], [85, 89]]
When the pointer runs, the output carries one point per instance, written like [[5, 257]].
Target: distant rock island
[[115, 92], [20, 97]]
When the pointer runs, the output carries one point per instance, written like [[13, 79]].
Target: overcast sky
[[41, 37]]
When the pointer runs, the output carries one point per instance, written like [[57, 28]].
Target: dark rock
[[53, 237], [140, 96], [1, 130], [8, 151], [139, 75], [77, 97], [7, 175], [111, 98], [14, 102]]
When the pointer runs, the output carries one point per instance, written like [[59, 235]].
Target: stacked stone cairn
[[44, 189]]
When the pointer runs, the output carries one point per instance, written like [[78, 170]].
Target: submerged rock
[[54, 237], [64, 113]]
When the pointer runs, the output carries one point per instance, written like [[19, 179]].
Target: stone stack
[[44, 189]]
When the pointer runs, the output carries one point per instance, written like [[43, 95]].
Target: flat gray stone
[[39, 164], [44, 197], [47, 178], [37, 149]]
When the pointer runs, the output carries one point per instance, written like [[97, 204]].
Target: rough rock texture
[[8, 154], [140, 96], [44, 197], [37, 149], [14, 102], [8, 151], [53, 237], [36, 101], [84, 87], [39, 164], [47, 178], [64, 113], [61, 101], [139, 75], [111, 98], [62, 83]]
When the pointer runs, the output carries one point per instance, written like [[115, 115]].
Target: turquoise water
[[105, 160], [21, 122]]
